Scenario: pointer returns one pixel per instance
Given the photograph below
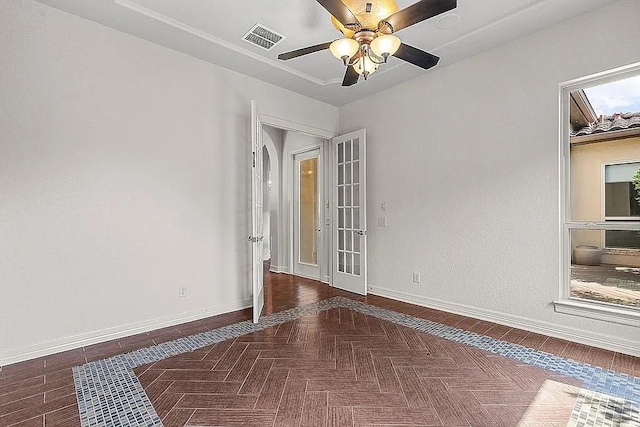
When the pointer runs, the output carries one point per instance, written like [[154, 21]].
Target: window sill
[[593, 310]]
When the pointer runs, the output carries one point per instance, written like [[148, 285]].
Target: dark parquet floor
[[338, 367], [342, 368]]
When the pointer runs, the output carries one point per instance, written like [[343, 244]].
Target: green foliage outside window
[[636, 183]]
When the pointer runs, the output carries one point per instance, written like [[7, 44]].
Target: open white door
[[256, 213], [350, 216]]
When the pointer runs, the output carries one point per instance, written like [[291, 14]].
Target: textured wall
[[124, 171], [466, 159], [272, 139]]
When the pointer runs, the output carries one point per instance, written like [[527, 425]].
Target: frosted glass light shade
[[365, 64], [385, 45], [344, 47]]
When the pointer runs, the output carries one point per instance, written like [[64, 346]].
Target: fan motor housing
[[365, 36]]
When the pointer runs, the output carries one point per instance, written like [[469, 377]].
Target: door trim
[[326, 135], [284, 124]]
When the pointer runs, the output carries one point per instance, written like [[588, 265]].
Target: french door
[[256, 237], [350, 220]]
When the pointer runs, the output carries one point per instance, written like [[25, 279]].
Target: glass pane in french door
[[348, 254], [308, 210]]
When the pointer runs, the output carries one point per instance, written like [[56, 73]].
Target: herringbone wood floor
[[40, 391], [342, 368]]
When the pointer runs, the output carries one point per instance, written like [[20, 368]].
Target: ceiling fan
[[368, 28]]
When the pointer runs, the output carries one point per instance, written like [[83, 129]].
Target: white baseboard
[[317, 279], [563, 332], [278, 269], [285, 270], [20, 354]]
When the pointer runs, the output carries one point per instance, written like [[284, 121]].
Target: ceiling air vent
[[263, 37]]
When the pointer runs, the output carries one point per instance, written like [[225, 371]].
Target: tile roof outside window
[[615, 122]]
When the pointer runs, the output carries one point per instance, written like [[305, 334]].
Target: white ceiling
[[212, 29]]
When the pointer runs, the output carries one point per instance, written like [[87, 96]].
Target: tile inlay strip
[[109, 393]]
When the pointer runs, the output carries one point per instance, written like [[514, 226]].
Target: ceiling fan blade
[[304, 51], [415, 13], [350, 76], [416, 56], [341, 13]]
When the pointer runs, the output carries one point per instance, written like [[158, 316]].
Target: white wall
[[124, 172], [266, 205], [466, 158], [272, 139]]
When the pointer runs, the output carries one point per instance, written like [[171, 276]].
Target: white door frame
[[285, 124], [289, 125]]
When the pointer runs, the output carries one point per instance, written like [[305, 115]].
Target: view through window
[[604, 185]]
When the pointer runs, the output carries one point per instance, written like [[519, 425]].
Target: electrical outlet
[[382, 222], [182, 291], [416, 277]]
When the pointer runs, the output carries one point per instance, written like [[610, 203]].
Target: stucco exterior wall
[[587, 191]]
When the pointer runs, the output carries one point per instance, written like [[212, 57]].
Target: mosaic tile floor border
[[109, 393]]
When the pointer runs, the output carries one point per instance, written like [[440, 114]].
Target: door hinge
[[254, 159]]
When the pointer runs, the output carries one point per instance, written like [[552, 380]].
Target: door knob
[[360, 232]]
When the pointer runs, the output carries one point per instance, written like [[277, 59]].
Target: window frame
[[604, 190], [565, 303]]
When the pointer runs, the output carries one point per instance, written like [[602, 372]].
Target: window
[[600, 208], [621, 196], [621, 203]]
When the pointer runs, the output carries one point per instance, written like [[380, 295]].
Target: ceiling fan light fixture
[[344, 49], [368, 34], [385, 45], [365, 66]]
